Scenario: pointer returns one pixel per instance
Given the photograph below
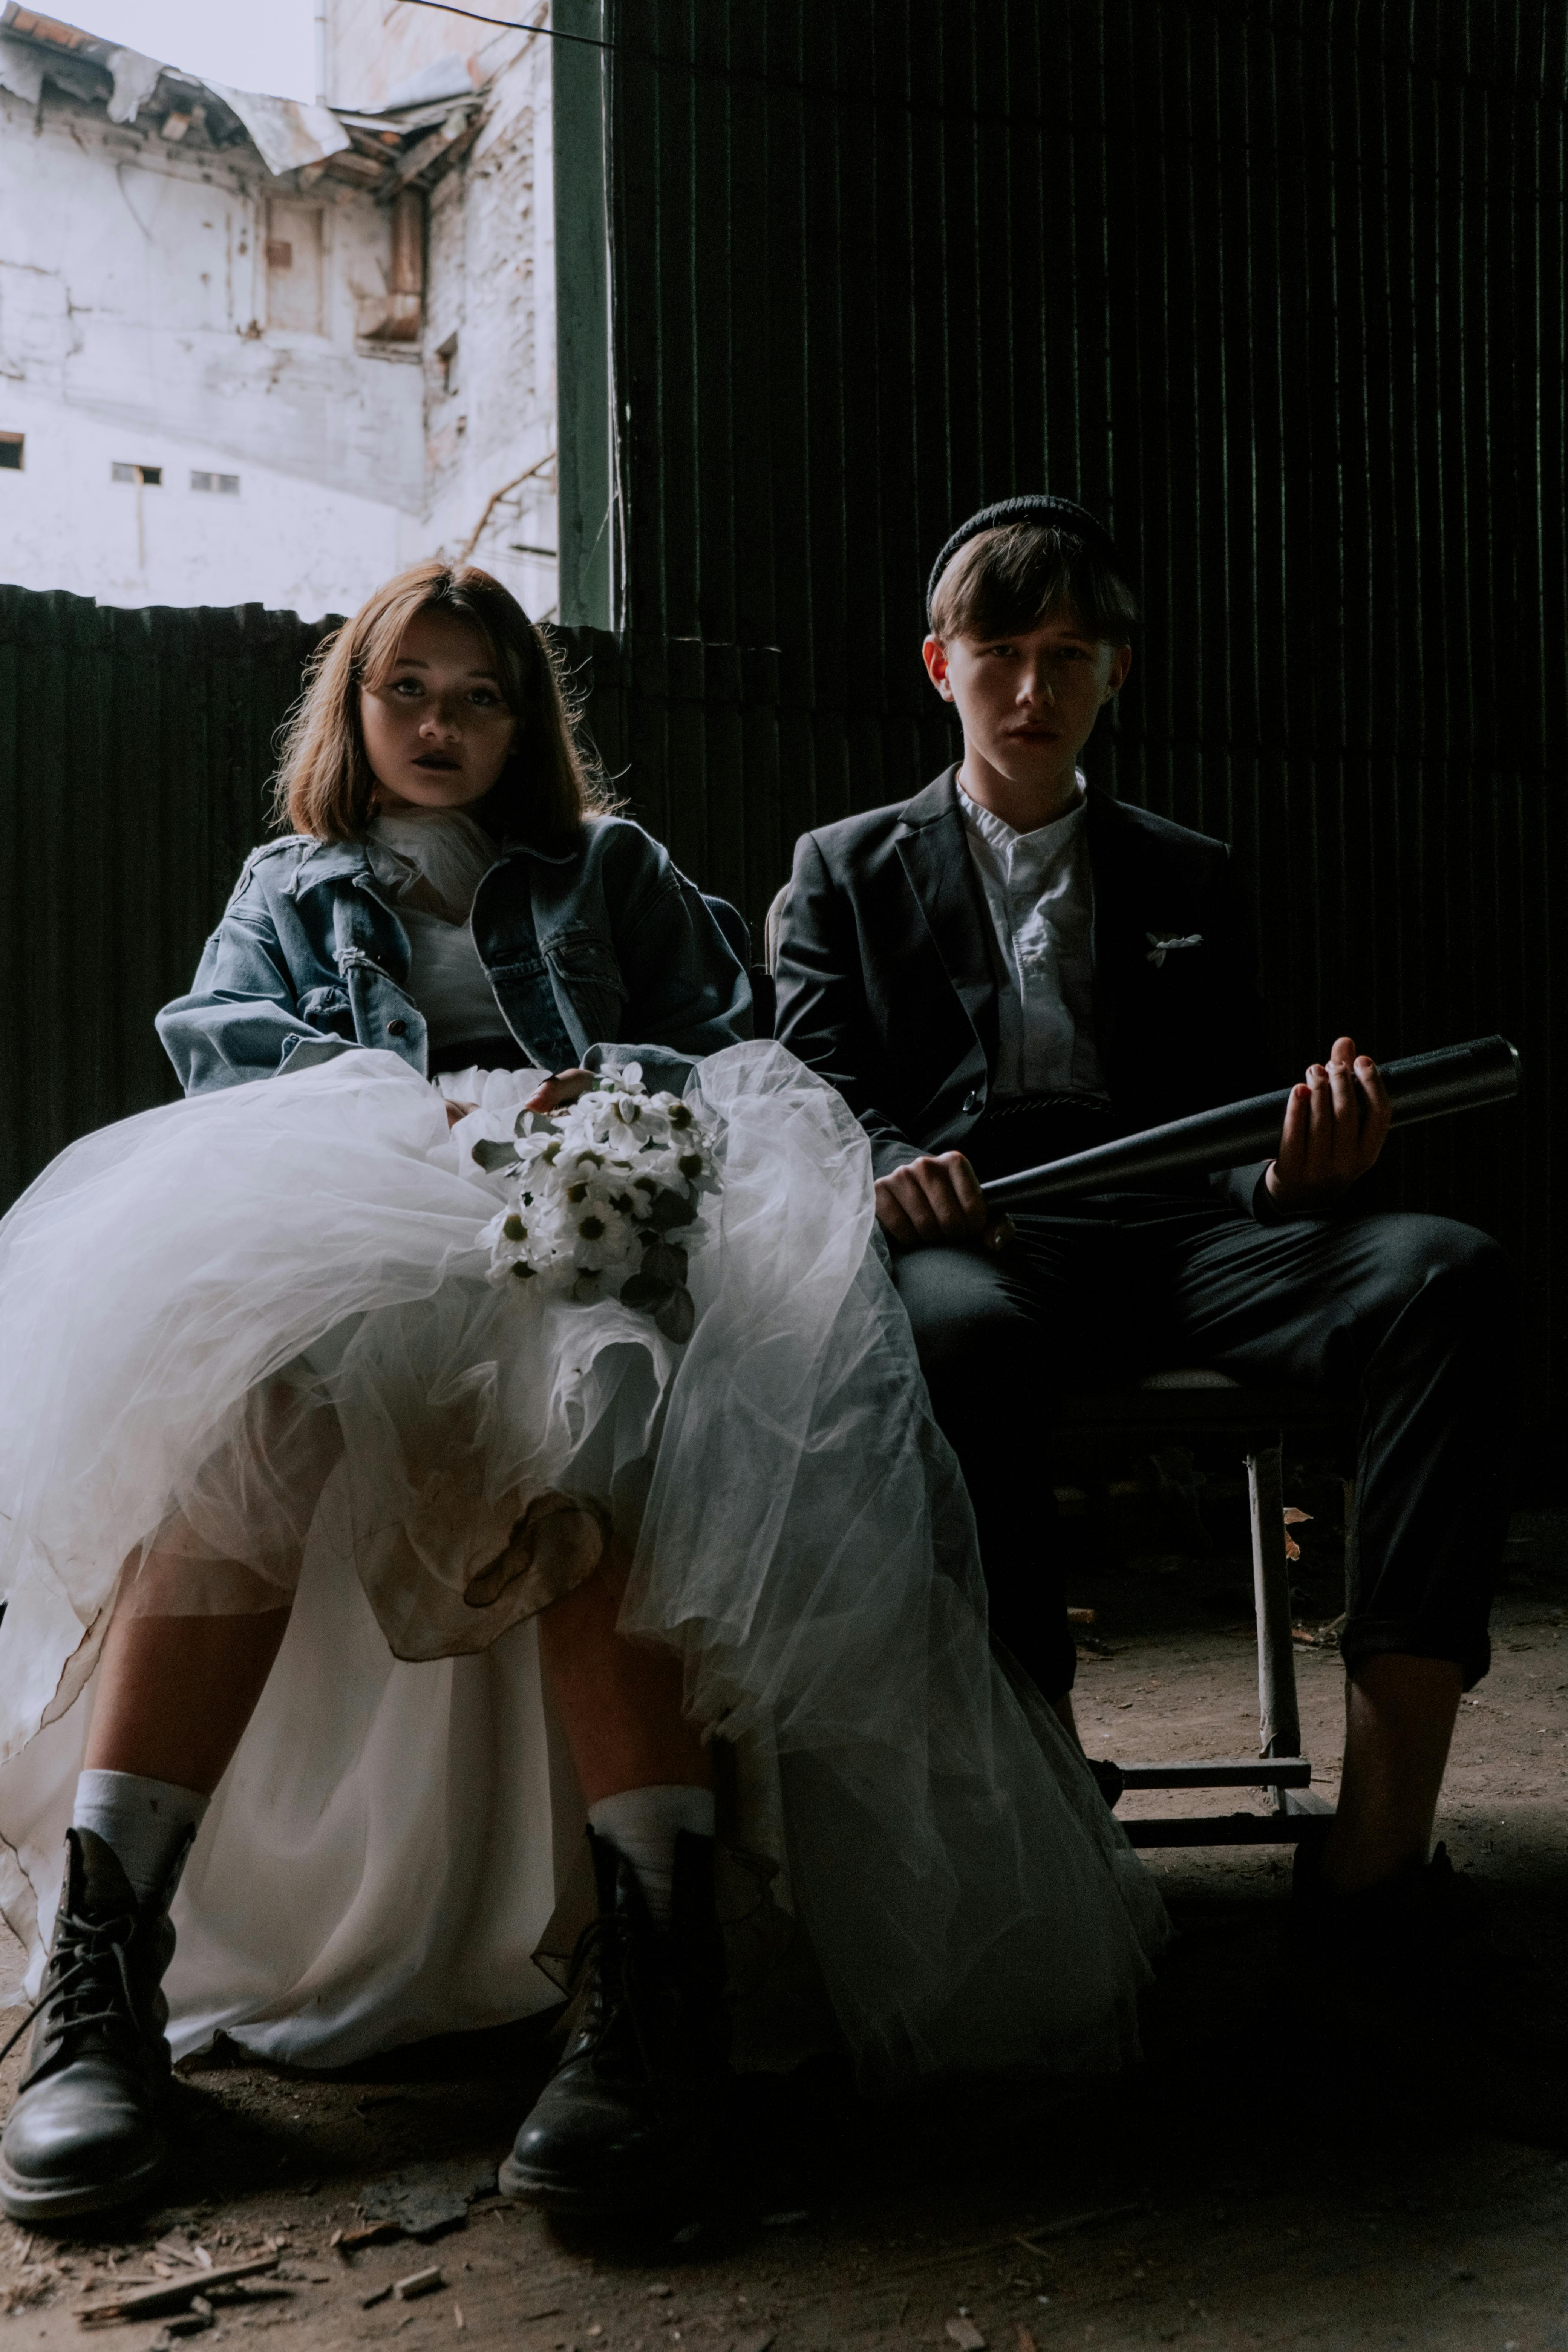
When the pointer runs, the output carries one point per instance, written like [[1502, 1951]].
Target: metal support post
[[1280, 1724]]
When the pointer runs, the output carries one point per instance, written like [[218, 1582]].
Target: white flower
[[518, 1250], [600, 1236], [587, 1185]]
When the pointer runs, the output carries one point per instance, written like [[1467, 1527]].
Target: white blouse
[[450, 855]]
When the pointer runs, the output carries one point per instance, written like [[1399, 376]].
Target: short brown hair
[[324, 785], [1011, 578]]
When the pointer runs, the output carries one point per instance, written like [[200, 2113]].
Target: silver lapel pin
[[1160, 947]]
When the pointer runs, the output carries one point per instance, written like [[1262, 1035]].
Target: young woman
[[367, 1578]]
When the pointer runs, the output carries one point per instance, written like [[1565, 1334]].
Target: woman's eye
[[407, 688], [484, 697]]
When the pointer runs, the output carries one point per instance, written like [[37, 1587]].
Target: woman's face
[[438, 732]]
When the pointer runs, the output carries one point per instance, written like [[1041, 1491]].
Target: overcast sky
[[250, 44]]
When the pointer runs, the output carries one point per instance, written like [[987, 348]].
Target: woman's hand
[[563, 1088], [1335, 1126], [455, 1111]]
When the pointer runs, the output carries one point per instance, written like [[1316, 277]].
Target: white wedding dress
[[266, 1308]]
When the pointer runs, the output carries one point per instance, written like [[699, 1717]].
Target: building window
[[11, 445], [150, 477], [228, 485]]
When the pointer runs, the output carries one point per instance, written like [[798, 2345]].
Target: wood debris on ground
[[177, 2294], [1320, 1637], [418, 2283]]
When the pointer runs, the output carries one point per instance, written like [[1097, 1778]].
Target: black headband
[[1034, 505]]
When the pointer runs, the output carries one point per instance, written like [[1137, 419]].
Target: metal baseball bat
[[1421, 1086]]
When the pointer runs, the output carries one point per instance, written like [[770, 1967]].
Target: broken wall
[[177, 313]]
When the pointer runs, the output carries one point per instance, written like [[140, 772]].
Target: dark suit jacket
[[886, 984]]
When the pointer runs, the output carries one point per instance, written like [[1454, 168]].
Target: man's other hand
[[934, 1201], [1335, 1126]]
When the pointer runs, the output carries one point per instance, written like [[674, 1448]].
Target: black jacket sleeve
[[822, 1014]]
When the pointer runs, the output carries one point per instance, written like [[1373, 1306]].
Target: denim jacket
[[587, 948]]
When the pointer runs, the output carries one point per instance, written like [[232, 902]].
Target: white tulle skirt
[[260, 1319]]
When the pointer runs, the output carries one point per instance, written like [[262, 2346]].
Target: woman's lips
[[433, 761]]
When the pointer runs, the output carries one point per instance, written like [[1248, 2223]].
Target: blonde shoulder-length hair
[[324, 784]]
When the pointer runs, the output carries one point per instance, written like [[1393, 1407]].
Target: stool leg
[[1280, 1724]]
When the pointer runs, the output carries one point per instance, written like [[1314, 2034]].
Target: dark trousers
[[1414, 1315]]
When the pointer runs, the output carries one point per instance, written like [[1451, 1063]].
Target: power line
[[516, 25]]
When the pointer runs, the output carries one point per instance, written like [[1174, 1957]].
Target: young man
[[1011, 966]]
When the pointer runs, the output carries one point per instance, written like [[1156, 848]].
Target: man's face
[[1028, 702]]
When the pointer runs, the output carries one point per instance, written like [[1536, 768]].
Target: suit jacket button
[[974, 1103], [398, 1028]]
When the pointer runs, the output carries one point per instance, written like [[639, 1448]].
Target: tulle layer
[[258, 1323]]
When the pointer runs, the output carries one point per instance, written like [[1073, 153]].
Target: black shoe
[[1412, 1945], [630, 2121], [83, 2133]]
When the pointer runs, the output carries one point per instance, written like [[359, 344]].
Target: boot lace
[[608, 1944], [89, 1963]]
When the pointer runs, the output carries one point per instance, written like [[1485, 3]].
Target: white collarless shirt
[[1041, 896], [447, 979]]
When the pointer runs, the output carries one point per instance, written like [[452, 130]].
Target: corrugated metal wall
[[1277, 288], [134, 747]]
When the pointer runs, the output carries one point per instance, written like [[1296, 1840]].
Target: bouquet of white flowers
[[596, 1195]]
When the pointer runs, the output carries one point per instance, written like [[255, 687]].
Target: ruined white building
[[255, 352]]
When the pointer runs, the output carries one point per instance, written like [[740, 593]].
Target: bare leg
[[175, 1694], [619, 1703], [1399, 1719]]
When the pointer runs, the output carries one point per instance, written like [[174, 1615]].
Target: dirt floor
[[1267, 2177]]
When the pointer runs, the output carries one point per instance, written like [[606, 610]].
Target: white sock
[[145, 1821], [643, 1824]]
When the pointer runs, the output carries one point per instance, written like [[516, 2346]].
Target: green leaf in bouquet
[[493, 1157], [667, 1260], [677, 1319], [669, 1208], [646, 1292]]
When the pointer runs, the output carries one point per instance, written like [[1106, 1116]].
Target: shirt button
[[398, 1028], [973, 1102]]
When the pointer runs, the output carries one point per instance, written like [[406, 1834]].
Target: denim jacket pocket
[[527, 997], [584, 968], [328, 1010]]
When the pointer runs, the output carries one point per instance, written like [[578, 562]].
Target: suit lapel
[[935, 850]]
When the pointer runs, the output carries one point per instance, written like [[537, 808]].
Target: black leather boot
[[84, 2131], [630, 2121]]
